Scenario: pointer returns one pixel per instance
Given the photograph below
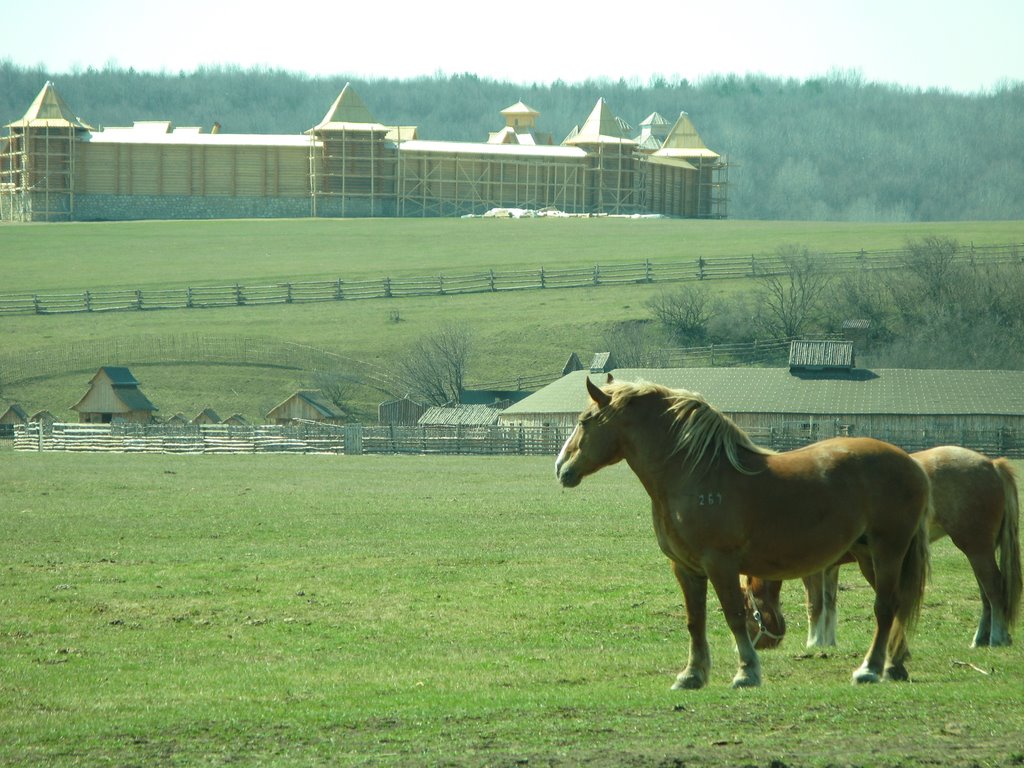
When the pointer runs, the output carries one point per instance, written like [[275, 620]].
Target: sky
[[925, 44]]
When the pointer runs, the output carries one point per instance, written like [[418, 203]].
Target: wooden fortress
[[56, 167]]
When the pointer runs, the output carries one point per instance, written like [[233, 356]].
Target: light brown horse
[[723, 506], [976, 504]]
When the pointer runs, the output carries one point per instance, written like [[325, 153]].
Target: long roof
[[480, 148], [149, 132], [776, 390]]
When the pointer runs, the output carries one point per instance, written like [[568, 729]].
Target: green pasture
[[76, 257], [521, 333], [395, 611]]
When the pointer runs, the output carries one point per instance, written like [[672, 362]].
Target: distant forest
[[831, 148]]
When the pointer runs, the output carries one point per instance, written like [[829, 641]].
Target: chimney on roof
[[215, 128]]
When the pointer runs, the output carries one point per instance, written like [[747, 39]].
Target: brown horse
[[976, 504], [723, 506]]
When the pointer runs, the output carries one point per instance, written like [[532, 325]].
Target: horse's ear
[[610, 379], [597, 395]]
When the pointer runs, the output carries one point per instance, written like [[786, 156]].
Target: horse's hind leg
[[821, 591], [695, 596], [992, 625], [884, 582]]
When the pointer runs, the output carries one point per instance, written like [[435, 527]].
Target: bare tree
[[791, 298], [336, 387], [633, 345], [434, 368], [685, 312]]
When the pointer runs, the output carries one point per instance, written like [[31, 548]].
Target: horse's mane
[[701, 430]]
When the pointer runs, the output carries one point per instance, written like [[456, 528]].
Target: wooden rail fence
[[354, 439], [647, 271]]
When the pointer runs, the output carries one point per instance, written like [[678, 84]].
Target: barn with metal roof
[[780, 408]]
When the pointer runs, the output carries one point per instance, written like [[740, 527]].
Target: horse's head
[[765, 622], [595, 442]]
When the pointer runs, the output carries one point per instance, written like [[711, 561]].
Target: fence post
[[288, 293], [597, 274], [239, 298], [188, 298], [339, 294], [88, 301], [440, 284], [648, 277], [543, 281], [700, 268], [387, 287], [138, 299], [36, 305], [491, 280]]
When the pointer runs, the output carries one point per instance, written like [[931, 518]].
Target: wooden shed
[[306, 405], [206, 416], [402, 412], [912, 408], [43, 417], [236, 420], [114, 395], [460, 415], [14, 414], [825, 355]]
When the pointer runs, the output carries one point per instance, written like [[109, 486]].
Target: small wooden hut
[[206, 416], [402, 412], [306, 405], [114, 394], [43, 417], [14, 414], [236, 420]]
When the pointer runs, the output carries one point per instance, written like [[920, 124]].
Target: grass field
[[394, 611], [520, 333]]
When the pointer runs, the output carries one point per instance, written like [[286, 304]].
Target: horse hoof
[[865, 675], [687, 681], [746, 681], [897, 672]]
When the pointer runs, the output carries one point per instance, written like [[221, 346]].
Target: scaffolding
[[357, 167], [436, 182], [37, 174]]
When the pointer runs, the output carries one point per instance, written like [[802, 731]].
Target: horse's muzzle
[[567, 477]]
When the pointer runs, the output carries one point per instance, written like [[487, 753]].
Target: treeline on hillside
[[934, 312], [831, 148]]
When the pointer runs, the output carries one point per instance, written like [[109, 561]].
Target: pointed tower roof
[[519, 108], [653, 130], [602, 127], [684, 141], [348, 113], [49, 110]]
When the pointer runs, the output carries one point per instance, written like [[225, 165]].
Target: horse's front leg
[[695, 597], [726, 583]]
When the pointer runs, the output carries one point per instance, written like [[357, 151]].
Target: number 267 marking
[[709, 499]]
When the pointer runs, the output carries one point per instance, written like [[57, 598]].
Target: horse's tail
[[915, 571], [1009, 542]]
